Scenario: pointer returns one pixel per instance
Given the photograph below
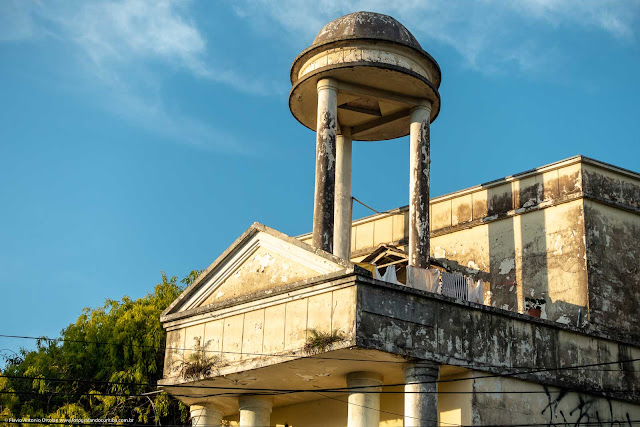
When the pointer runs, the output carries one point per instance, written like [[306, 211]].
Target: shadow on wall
[[523, 237], [536, 258]]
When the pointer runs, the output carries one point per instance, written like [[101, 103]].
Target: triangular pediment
[[260, 260]]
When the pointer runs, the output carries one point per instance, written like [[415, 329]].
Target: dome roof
[[366, 25]]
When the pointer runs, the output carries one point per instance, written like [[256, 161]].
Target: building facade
[[347, 327]]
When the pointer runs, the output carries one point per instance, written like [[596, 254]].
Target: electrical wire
[[509, 374], [277, 390], [379, 410], [267, 391], [574, 424], [293, 356], [366, 206]]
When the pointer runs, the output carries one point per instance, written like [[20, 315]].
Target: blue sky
[[140, 137]]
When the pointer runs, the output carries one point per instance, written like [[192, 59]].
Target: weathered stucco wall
[[508, 401], [617, 186], [419, 324], [612, 216], [264, 269], [386, 318], [333, 411], [453, 408], [535, 260], [613, 257], [527, 237], [471, 398], [272, 329]]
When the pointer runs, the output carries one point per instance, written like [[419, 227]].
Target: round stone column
[[421, 398], [326, 130], [343, 216], [255, 411], [364, 408], [205, 414], [420, 159]]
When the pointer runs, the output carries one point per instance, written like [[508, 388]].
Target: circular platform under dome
[[373, 52]]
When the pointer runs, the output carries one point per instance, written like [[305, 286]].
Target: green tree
[[105, 363]]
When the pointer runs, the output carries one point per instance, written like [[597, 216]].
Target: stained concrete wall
[[422, 325], [471, 398], [333, 411], [533, 238], [613, 258], [453, 408], [380, 318], [264, 269], [415, 324], [508, 401], [612, 215], [274, 329], [536, 257]]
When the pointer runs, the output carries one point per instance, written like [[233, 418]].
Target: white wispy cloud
[[115, 33], [122, 50], [488, 34]]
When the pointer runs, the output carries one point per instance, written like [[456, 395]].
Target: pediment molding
[[252, 255]]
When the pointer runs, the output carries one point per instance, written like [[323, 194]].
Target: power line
[[266, 391], [49, 422], [510, 374], [293, 356], [235, 353], [563, 424], [339, 400], [376, 409], [586, 423], [597, 423], [276, 390]]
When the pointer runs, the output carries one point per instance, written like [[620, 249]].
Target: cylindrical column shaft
[[419, 187], [343, 216], [420, 398], [204, 414], [364, 408], [255, 411], [326, 128]]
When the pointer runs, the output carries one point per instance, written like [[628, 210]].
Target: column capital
[[327, 84], [248, 401], [355, 379], [206, 414], [344, 131], [420, 370], [255, 411], [425, 104]]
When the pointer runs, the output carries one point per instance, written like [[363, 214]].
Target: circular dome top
[[368, 25], [380, 71]]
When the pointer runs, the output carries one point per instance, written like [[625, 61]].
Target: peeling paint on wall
[[613, 259]]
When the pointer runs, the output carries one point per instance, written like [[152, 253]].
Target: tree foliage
[[104, 362]]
